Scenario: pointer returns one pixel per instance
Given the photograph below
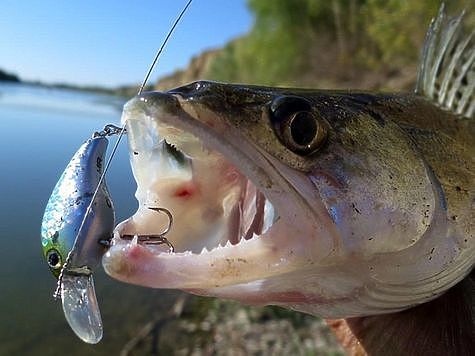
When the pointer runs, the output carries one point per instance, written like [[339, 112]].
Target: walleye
[[333, 203]]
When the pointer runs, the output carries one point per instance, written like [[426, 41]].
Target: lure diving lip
[[72, 238]]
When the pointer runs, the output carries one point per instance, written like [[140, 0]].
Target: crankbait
[[78, 225], [74, 240]]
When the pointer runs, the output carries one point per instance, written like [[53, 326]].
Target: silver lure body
[[74, 224], [67, 206]]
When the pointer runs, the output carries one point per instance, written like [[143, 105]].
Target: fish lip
[[171, 267]]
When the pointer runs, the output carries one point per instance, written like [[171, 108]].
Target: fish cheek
[[374, 185]]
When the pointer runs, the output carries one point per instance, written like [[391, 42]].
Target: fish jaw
[[151, 266], [283, 248]]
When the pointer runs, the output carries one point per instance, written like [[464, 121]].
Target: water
[[40, 131]]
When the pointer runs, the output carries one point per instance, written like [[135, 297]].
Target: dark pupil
[[303, 128], [53, 259]]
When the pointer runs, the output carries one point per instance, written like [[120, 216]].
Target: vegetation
[[303, 42], [121, 91], [8, 77]]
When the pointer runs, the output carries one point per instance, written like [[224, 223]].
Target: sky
[[110, 43]]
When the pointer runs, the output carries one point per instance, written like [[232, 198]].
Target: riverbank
[[8, 77]]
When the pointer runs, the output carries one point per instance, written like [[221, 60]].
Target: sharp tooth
[[135, 240], [204, 250], [228, 244]]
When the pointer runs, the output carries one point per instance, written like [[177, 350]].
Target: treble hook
[[156, 239]]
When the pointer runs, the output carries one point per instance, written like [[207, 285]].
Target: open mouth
[[214, 205], [245, 211], [239, 218]]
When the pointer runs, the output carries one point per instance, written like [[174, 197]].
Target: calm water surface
[[40, 131]]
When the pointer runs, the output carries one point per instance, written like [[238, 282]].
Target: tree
[[290, 39]]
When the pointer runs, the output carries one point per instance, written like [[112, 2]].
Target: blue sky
[[108, 42]]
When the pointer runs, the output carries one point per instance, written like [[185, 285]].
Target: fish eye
[[53, 258], [302, 128], [297, 126]]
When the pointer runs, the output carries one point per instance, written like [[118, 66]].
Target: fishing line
[[159, 52], [57, 292]]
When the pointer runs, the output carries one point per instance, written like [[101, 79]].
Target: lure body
[[67, 206], [68, 228]]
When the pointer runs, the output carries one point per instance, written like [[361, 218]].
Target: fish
[[73, 240], [340, 204], [334, 203]]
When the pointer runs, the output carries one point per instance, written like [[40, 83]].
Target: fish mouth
[[224, 196]]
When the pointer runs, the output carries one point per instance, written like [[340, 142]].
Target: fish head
[[306, 199]]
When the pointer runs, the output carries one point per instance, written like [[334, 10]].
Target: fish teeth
[[204, 250], [254, 235], [135, 240], [228, 244]]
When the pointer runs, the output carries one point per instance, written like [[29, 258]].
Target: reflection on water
[[40, 131]]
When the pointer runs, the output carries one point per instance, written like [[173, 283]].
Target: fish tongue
[[81, 308]]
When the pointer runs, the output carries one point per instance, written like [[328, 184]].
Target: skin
[[376, 218], [444, 326]]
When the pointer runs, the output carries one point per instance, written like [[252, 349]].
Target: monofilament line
[[57, 293], [159, 52]]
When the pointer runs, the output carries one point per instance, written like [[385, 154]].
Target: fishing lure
[[73, 240], [78, 224]]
